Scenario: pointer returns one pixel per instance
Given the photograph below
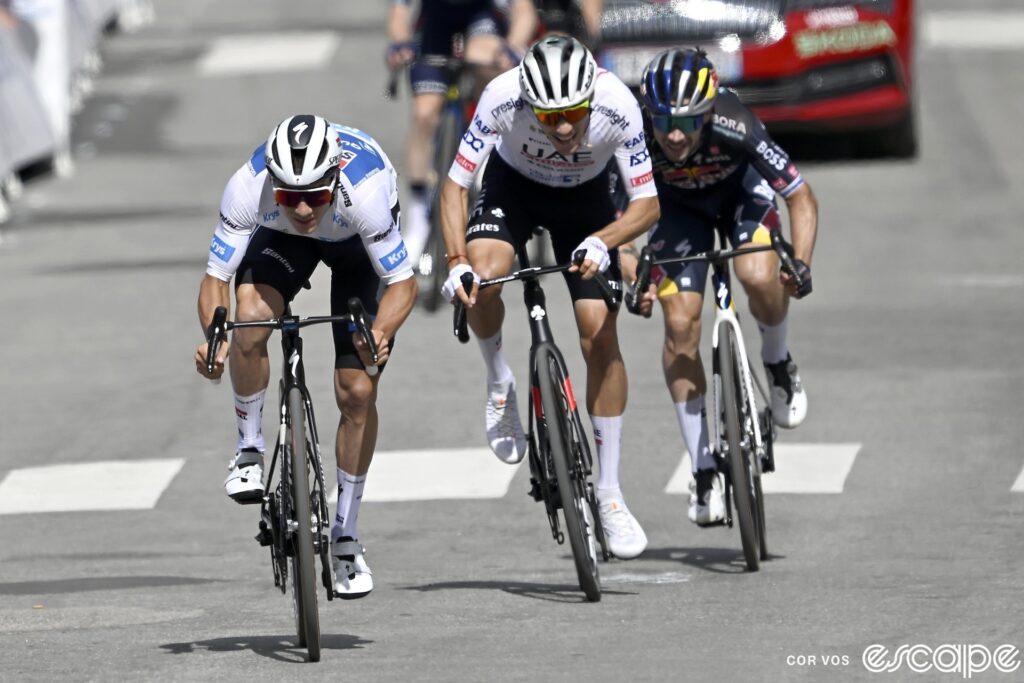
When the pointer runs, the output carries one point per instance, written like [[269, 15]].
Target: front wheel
[[564, 444], [738, 459], [307, 617]]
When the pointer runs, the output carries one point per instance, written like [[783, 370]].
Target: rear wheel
[[573, 487], [738, 460], [307, 617]]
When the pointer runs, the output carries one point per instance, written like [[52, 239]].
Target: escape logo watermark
[[962, 659]]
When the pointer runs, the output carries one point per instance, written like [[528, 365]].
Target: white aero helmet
[[302, 150], [557, 72]]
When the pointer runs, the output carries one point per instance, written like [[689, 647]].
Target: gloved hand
[[596, 252], [454, 282]]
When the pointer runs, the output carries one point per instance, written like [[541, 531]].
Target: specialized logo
[[395, 258], [299, 129], [221, 249]]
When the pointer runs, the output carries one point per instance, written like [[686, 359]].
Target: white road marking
[[267, 52], [1018, 485], [990, 280], [442, 474], [661, 578], [113, 485], [799, 468], [974, 30]]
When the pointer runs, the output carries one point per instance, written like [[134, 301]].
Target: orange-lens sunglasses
[[313, 198], [552, 117]]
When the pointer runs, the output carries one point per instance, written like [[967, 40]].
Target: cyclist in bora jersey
[[714, 164], [316, 191], [555, 122]]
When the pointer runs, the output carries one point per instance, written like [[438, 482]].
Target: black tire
[[307, 616], [572, 484], [738, 460], [449, 134], [759, 495]]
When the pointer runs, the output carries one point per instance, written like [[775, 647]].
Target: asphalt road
[[910, 349]]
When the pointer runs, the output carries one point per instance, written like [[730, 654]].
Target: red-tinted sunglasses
[[552, 117], [315, 198]]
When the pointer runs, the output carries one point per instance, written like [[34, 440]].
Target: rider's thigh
[[256, 302], [483, 48], [426, 110], [757, 271], [596, 325]]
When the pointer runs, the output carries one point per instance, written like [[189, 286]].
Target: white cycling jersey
[[505, 120], [366, 204]]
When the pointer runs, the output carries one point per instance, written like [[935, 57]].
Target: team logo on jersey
[[642, 179], [465, 163], [221, 249], [395, 258]]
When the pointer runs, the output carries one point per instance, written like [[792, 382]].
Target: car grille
[[824, 82]]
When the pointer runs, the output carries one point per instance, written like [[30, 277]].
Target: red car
[[823, 66]]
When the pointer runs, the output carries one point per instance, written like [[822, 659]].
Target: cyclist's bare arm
[[639, 216], [399, 28], [522, 25], [395, 305], [454, 210], [213, 292], [591, 11], [803, 221]]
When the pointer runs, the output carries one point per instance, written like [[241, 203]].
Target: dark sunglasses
[[667, 123], [314, 198], [552, 117]]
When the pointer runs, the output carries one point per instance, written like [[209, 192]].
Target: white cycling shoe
[[707, 503], [789, 400], [623, 535], [245, 477], [352, 576], [504, 429]]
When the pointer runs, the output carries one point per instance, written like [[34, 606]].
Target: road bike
[[294, 520], [558, 450], [744, 436]]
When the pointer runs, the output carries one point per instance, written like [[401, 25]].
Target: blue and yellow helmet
[[679, 82]]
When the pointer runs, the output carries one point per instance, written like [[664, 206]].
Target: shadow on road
[[538, 591], [281, 648], [716, 560], [105, 583]]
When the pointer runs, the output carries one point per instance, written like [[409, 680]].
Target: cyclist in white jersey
[[316, 191], [556, 121]]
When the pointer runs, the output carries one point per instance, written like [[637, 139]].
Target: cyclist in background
[[714, 164], [316, 191], [482, 23], [580, 19], [554, 123]]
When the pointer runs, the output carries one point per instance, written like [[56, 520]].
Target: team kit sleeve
[[479, 139], [771, 161], [376, 222], [235, 228], [634, 158]]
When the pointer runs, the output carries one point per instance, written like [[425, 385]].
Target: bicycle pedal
[[535, 491], [264, 537]]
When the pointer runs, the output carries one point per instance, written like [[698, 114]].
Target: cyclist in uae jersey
[[554, 124], [316, 191], [716, 167]]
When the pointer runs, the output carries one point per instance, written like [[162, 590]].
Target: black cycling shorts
[[438, 23], [511, 205], [688, 227], [286, 262]]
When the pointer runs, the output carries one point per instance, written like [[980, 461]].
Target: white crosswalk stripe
[[113, 485], [442, 474], [1018, 485], [799, 468], [267, 53]]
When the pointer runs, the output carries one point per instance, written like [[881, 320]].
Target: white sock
[[694, 426], [498, 370], [350, 493], [773, 342], [608, 437], [249, 417]]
